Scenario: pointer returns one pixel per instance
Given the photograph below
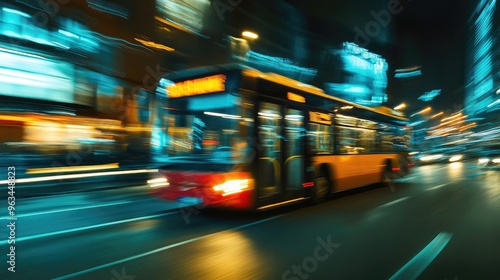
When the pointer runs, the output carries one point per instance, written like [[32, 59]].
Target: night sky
[[425, 33], [433, 34]]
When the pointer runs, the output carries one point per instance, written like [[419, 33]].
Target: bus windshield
[[214, 127]]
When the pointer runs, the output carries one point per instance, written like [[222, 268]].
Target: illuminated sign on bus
[[203, 85], [295, 97], [322, 118]]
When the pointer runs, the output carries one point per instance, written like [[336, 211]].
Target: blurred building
[[482, 90], [69, 83], [282, 43], [355, 74]]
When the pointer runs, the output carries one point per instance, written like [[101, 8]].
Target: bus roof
[[281, 80]]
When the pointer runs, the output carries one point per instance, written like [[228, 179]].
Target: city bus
[[239, 138]]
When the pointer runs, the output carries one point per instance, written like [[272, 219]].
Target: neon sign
[[204, 85]]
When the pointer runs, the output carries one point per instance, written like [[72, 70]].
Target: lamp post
[[400, 107], [423, 111], [249, 35]]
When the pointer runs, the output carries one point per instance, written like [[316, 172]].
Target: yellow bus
[[243, 139]]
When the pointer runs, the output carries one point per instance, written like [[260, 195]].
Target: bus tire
[[403, 164], [322, 185], [387, 178]]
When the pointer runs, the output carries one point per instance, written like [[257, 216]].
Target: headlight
[[483, 160], [430, 157], [158, 182], [497, 160], [456, 158], [233, 186]]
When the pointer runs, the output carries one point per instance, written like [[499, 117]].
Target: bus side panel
[[352, 171]]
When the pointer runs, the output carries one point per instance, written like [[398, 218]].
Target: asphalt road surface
[[441, 222]]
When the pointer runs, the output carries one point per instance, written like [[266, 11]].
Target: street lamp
[[426, 110], [437, 115], [249, 35], [400, 107], [423, 111]]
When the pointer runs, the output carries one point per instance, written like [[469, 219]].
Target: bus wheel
[[388, 176], [320, 189]]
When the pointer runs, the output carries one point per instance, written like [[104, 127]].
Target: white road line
[[407, 178], [437, 187], [439, 168], [82, 272], [421, 261], [19, 239], [414, 175], [393, 202], [67, 209]]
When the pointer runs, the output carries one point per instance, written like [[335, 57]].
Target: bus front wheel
[[388, 176]]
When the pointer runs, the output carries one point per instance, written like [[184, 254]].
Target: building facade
[[482, 90]]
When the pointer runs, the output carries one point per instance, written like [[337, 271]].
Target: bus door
[[294, 149], [281, 134]]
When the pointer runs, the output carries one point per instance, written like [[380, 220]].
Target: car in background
[[441, 155], [489, 160]]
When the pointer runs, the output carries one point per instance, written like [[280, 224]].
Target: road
[[442, 222]]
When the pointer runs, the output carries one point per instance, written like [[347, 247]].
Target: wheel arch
[[326, 169]]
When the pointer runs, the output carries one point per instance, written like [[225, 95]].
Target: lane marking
[[66, 231], [82, 272], [394, 202], [85, 175], [439, 168], [421, 261], [68, 209], [437, 187], [416, 175], [406, 178]]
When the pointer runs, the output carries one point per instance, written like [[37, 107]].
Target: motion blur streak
[[72, 168], [418, 264], [394, 202], [85, 175], [69, 209], [3, 242], [69, 276], [437, 187]]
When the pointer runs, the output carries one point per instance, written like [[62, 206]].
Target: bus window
[[320, 138], [392, 138], [354, 140], [210, 125]]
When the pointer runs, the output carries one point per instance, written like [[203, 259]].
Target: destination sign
[[322, 118], [215, 83]]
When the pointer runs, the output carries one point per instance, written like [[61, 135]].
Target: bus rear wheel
[[320, 189]]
